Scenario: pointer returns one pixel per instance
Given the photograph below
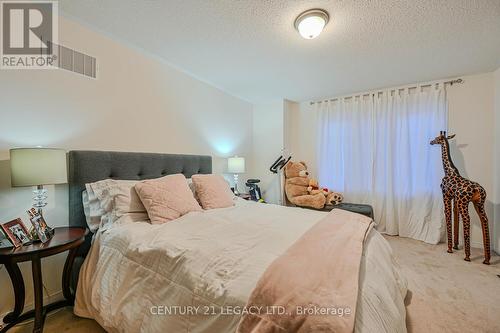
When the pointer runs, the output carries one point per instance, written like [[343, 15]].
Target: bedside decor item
[[460, 191], [40, 227], [38, 167], [236, 165], [5, 243], [17, 232]]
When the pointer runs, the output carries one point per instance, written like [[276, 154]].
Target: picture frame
[[39, 225], [5, 243], [16, 232]]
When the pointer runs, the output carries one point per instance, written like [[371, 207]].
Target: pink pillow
[[213, 191], [167, 198]]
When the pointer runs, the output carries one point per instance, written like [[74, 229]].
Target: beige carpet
[[447, 294]]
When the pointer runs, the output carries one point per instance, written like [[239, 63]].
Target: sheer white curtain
[[375, 149]]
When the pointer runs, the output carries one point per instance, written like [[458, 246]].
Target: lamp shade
[[37, 166], [236, 164]]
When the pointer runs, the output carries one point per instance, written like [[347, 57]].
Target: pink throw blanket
[[313, 286]]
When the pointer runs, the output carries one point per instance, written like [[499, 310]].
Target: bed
[[196, 273]]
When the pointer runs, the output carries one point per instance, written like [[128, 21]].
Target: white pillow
[[116, 199], [191, 187], [92, 209]]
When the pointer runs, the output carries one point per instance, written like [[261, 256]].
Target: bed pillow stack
[[161, 199], [108, 200], [167, 198], [213, 191]]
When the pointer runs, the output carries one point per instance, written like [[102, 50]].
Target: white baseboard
[[47, 299], [477, 245]]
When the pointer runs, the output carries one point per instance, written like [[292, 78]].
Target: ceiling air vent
[[75, 61]]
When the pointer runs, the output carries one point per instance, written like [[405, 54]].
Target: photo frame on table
[[5, 243], [39, 226], [16, 232]]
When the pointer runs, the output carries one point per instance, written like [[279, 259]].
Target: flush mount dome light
[[311, 23]]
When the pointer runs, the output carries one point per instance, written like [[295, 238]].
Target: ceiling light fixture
[[311, 23]]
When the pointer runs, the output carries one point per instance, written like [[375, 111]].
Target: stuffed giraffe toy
[[461, 191]]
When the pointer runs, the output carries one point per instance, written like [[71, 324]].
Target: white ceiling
[[250, 49]]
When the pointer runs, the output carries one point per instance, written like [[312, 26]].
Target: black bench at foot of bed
[[366, 210]]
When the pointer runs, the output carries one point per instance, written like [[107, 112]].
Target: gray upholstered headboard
[[91, 166]]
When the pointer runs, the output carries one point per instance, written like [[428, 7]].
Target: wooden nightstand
[[65, 238]]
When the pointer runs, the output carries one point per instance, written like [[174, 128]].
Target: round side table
[[64, 239]]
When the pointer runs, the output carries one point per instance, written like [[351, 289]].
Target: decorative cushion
[[213, 191], [167, 198]]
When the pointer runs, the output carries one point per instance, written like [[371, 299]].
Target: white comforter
[[203, 267]]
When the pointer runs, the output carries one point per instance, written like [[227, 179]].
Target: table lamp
[[38, 167], [236, 165]]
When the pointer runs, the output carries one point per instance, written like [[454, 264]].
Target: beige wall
[[137, 103], [268, 143], [496, 170], [471, 117], [303, 135]]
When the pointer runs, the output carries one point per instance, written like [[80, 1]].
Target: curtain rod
[[411, 86]]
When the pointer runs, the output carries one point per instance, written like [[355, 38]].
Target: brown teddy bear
[[313, 187], [332, 198], [297, 183]]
